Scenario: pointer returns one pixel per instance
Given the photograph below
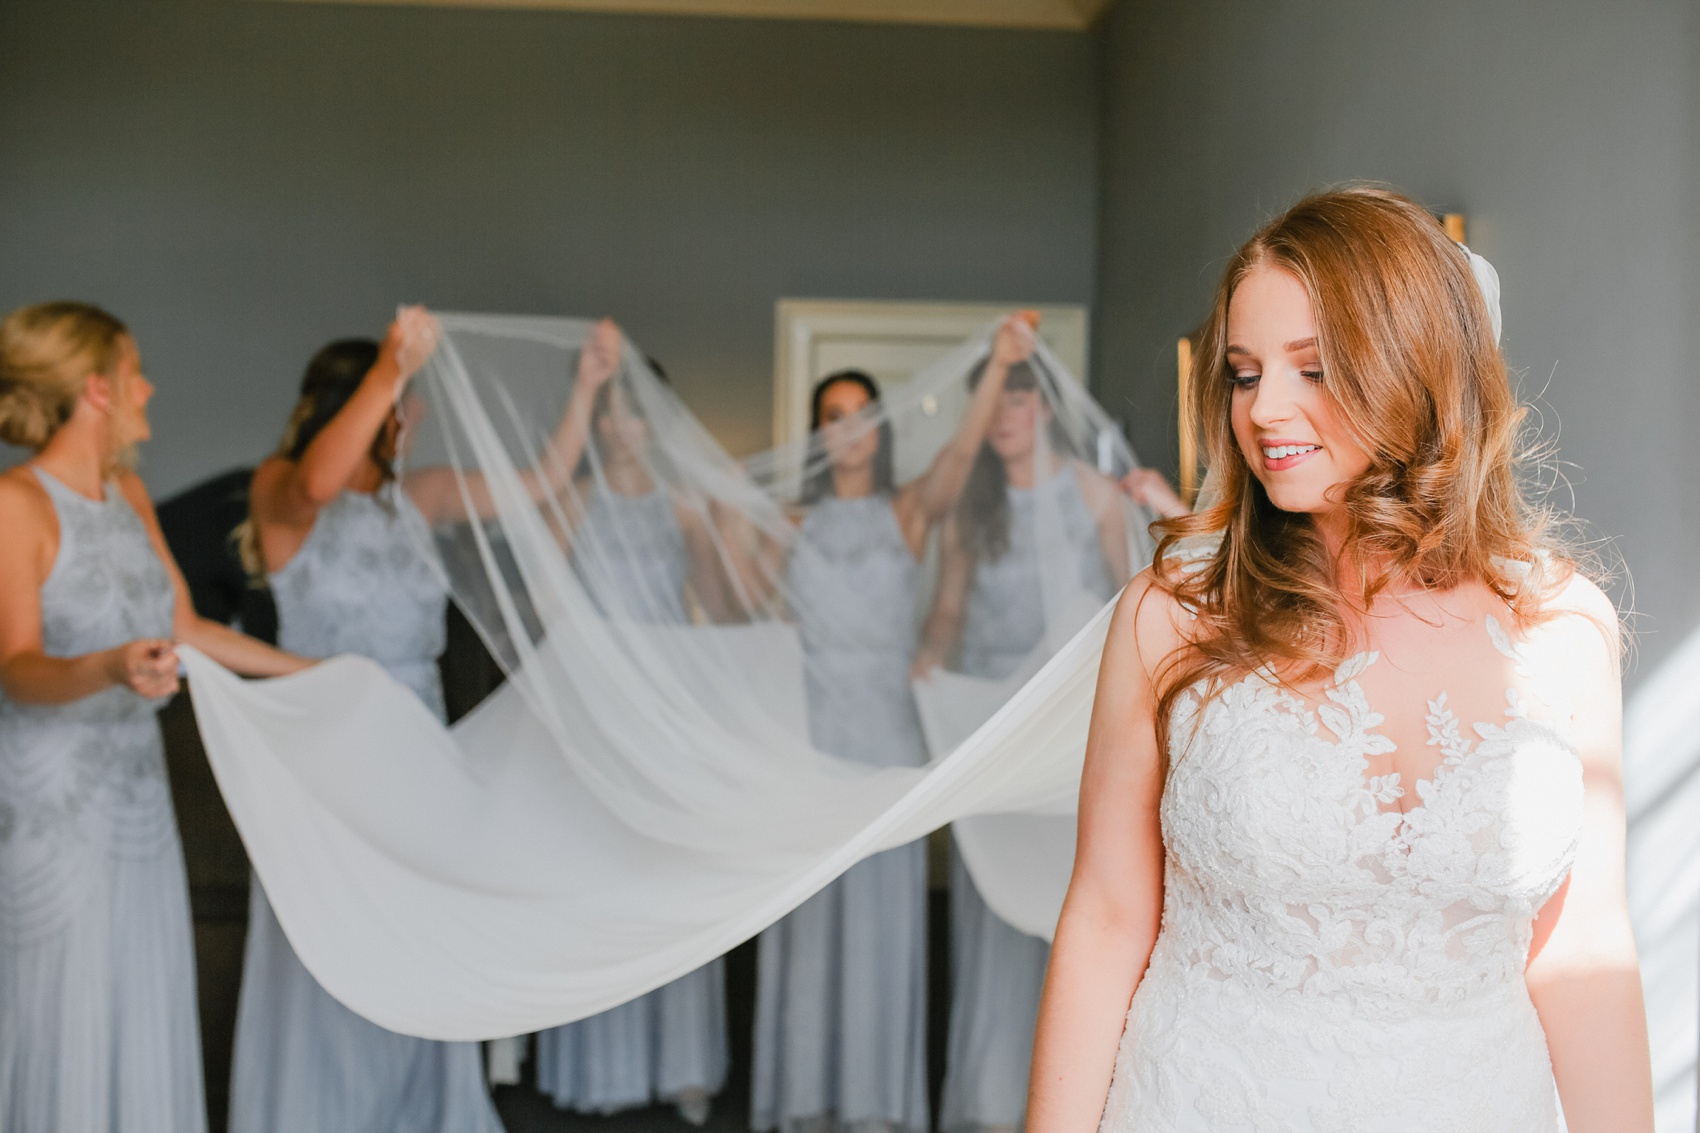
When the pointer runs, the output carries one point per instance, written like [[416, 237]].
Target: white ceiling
[[1065, 14]]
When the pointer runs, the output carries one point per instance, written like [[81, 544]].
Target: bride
[[1351, 826]]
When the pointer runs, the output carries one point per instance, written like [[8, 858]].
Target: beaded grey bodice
[[854, 579], [632, 555], [361, 583], [854, 582], [84, 780], [1005, 616], [107, 586]]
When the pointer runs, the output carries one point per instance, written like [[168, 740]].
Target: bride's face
[[1284, 423]]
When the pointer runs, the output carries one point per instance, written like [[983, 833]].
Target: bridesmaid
[[641, 549], [98, 1026], [989, 608], [340, 544], [644, 555], [840, 1031]]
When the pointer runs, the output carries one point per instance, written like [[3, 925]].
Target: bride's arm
[[1115, 898], [1583, 974]]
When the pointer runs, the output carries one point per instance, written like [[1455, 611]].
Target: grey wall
[[243, 181], [1564, 129]]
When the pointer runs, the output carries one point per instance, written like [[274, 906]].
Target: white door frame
[[801, 326]]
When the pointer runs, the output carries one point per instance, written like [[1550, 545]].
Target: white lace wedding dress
[[1329, 962]]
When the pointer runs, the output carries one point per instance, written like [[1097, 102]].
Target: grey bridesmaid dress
[[841, 1002], [671, 1044], [997, 971], [303, 1062], [98, 1024]]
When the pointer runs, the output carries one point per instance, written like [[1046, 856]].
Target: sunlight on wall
[[1661, 746]]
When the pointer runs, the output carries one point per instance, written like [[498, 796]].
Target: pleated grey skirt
[[304, 1063], [98, 1024], [997, 975], [841, 1004], [668, 1046]]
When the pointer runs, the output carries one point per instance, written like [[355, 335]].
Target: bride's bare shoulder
[[1576, 612], [1577, 594], [1151, 611], [1150, 622], [1573, 647]]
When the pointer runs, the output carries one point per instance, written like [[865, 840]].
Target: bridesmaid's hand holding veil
[[147, 666], [412, 338], [1148, 488], [927, 499], [600, 359], [1016, 339], [928, 659], [440, 494]]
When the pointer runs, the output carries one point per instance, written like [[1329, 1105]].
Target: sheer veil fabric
[[641, 794], [640, 797]]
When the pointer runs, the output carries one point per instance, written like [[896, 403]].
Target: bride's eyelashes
[[1246, 381]]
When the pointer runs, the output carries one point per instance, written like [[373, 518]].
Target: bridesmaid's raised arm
[[928, 498], [437, 492]]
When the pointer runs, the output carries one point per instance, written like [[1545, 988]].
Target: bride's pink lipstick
[[1307, 449]]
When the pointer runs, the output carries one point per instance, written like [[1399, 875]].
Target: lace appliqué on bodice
[[1327, 960]]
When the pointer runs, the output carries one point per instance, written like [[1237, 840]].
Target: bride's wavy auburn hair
[[1414, 373]]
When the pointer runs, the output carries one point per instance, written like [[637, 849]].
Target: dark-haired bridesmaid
[[840, 1032], [346, 550], [644, 555], [337, 540], [1033, 519]]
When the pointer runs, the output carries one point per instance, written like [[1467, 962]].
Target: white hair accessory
[[1488, 280]]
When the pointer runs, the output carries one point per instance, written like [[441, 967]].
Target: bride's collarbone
[[1420, 690]]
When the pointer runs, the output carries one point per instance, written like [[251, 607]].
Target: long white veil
[[646, 791], [1015, 568]]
